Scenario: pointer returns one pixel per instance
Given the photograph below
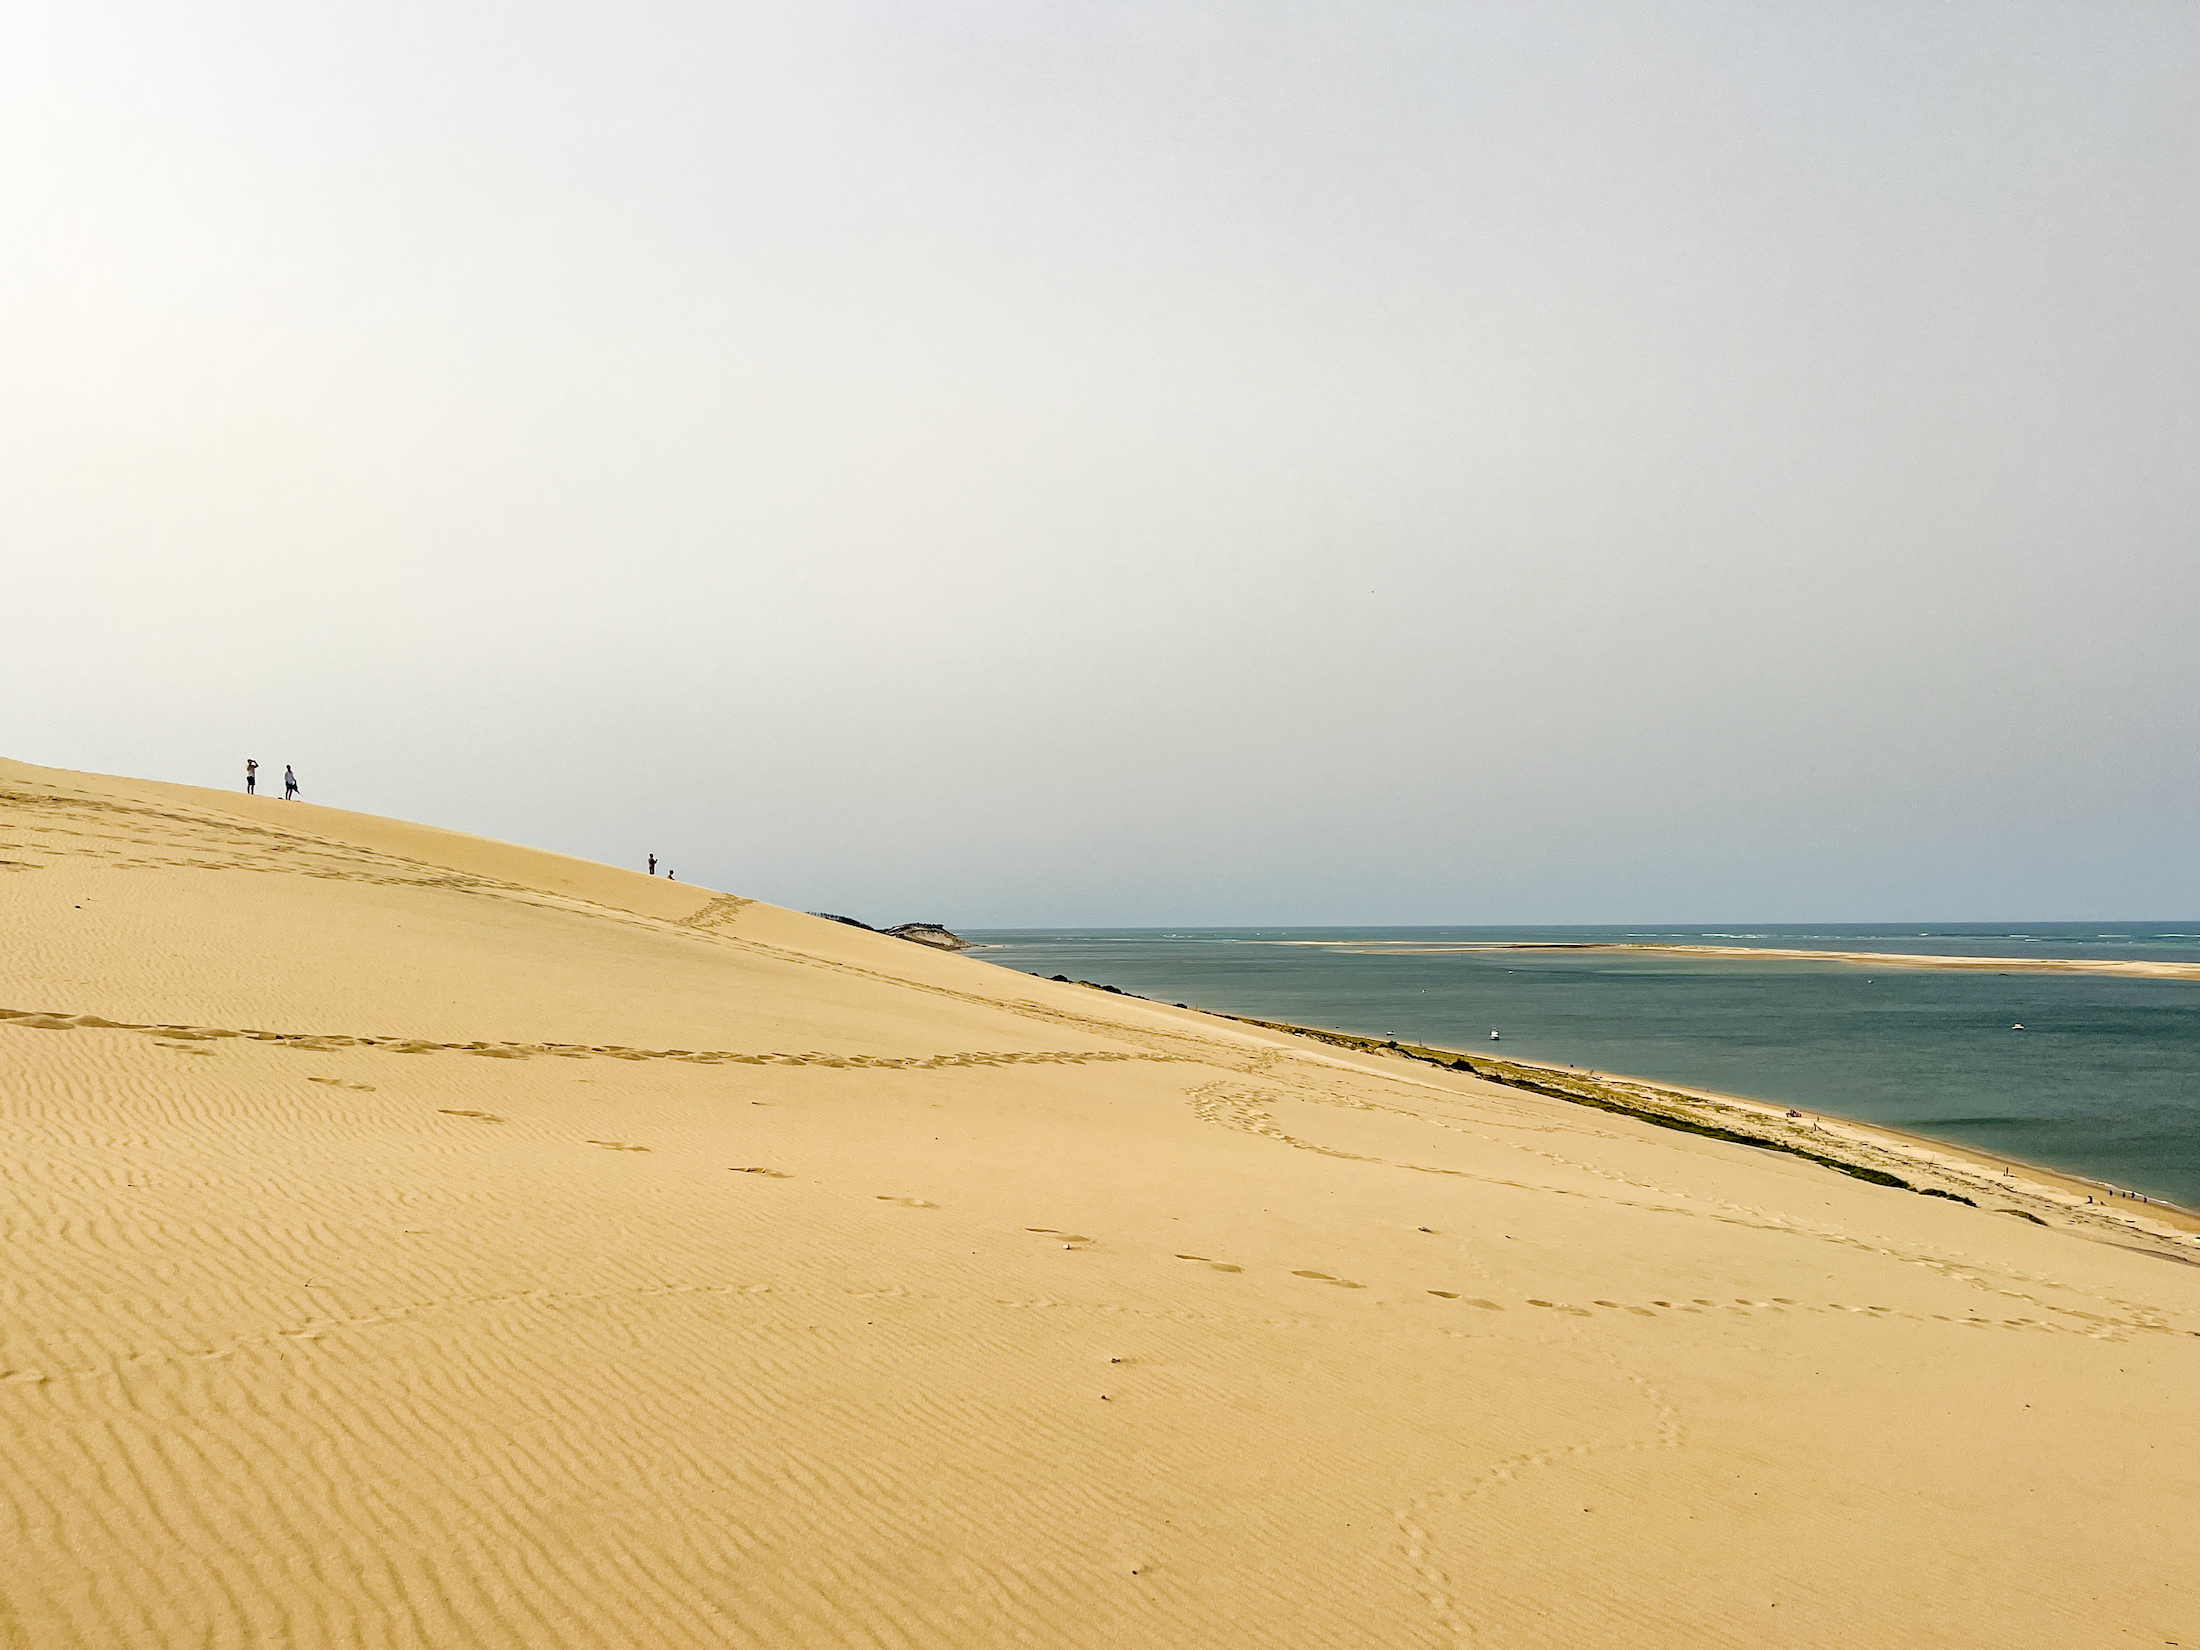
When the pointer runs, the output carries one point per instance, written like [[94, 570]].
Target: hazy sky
[[1022, 464]]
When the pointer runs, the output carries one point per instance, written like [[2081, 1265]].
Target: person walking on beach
[[290, 782], [251, 776]]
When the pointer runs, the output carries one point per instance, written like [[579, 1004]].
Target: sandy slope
[[563, 1257]]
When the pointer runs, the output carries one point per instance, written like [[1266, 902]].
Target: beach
[[1933, 1167], [2092, 1073], [417, 1239]]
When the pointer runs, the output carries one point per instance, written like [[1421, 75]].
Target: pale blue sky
[[1117, 464]]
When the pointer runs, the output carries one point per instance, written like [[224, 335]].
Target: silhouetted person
[[672, 876], [251, 776], [652, 864], [290, 782]]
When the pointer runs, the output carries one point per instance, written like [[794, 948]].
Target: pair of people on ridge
[[252, 779]]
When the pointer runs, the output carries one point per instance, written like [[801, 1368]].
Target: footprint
[[1324, 1277], [1446, 1293], [1218, 1265], [488, 1117], [907, 1202], [776, 1174], [339, 1083], [614, 1145], [1066, 1237], [1487, 1306]]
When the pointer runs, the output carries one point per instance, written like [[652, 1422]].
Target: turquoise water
[[2103, 1081]]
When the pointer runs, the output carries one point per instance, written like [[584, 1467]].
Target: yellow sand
[[671, 1270]]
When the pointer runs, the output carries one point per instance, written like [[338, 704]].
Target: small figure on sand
[[672, 876], [290, 782], [251, 776], [652, 864]]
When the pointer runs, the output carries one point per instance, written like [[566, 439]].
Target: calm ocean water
[[2103, 1081]]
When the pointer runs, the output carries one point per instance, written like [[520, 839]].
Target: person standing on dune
[[290, 782], [251, 776], [652, 864]]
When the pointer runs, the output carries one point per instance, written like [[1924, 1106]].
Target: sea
[[2102, 1080]]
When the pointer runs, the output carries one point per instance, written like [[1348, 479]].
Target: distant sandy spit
[[2136, 969], [417, 1240]]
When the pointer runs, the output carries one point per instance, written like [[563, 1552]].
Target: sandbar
[[2132, 968]]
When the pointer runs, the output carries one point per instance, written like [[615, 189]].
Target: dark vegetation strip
[[1603, 1099], [1580, 1093]]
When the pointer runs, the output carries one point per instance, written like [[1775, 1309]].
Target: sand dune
[[415, 1240]]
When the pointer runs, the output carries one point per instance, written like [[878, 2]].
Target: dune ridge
[[420, 1240]]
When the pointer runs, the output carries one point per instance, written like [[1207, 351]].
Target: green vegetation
[[1583, 1091]]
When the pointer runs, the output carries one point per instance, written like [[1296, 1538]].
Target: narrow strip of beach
[[1915, 1162], [2120, 967]]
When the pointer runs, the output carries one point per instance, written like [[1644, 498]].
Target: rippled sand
[[418, 1240]]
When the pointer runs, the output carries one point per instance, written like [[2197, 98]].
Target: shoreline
[[1855, 1146], [2120, 968], [1870, 1151]]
